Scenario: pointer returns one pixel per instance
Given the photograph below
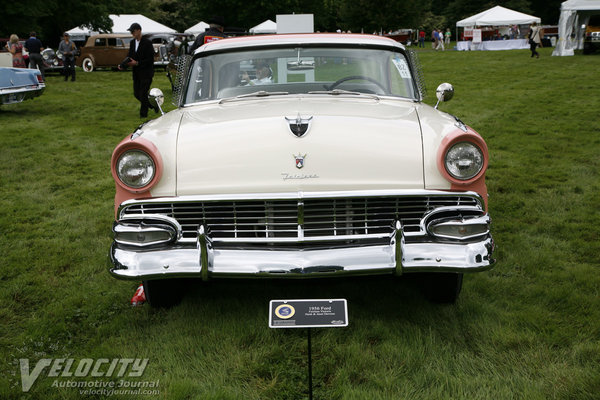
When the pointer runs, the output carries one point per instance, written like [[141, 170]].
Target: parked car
[[591, 41], [103, 50], [301, 156], [53, 60], [19, 84], [161, 42]]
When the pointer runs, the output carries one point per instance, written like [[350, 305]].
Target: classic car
[[591, 41], [18, 84], [319, 161], [53, 60], [161, 43], [108, 50], [103, 50]]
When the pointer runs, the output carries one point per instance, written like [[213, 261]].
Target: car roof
[[91, 39], [299, 39]]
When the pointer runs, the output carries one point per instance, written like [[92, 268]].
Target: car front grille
[[262, 220]]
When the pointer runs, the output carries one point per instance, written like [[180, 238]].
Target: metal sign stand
[[309, 367]]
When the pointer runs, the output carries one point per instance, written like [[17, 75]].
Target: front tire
[[87, 64], [442, 287], [164, 293]]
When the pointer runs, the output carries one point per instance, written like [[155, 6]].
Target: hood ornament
[[299, 126], [299, 160]]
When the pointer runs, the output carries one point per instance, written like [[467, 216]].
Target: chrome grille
[[295, 218]]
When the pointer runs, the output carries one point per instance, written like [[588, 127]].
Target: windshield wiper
[[337, 92], [260, 93]]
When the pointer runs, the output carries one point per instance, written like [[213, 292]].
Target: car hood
[[247, 146]]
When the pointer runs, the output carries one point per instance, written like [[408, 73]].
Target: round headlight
[[464, 160], [135, 168]]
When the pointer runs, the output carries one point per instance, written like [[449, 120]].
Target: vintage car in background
[[18, 84], [53, 60], [301, 156], [106, 50], [591, 41], [161, 43]]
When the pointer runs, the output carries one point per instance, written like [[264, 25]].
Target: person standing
[[439, 40], [421, 38], [534, 40], [216, 25], [447, 36], [68, 49], [16, 49], [141, 60], [34, 46]]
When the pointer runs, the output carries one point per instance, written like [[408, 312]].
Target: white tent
[[197, 29], [120, 25], [498, 16], [573, 14], [265, 27]]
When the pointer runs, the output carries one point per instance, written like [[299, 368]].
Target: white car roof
[[298, 39]]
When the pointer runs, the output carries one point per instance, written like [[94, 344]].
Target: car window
[[112, 42], [100, 42], [123, 42], [300, 71]]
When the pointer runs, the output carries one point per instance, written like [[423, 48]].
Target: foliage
[[52, 17], [529, 328]]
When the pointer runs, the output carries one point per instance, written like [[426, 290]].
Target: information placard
[[327, 313]]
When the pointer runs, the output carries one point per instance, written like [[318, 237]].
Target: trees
[[51, 17]]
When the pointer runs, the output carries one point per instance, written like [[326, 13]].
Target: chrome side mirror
[[157, 99], [444, 92]]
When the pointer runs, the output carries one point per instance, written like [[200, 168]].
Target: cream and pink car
[[301, 156]]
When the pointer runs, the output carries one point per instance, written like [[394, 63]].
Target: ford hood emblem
[[299, 126], [300, 160]]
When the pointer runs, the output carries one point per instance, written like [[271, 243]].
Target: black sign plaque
[[308, 313]]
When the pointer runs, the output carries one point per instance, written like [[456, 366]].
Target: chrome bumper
[[205, 259]]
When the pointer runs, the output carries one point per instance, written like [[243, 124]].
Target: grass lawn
[[529, 328]]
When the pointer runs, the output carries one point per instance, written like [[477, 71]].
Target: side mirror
[[157, 99], [444, 92]]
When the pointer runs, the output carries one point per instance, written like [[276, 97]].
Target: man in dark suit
[[141, 60]]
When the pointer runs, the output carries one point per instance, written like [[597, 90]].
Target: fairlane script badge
[[299, 126]]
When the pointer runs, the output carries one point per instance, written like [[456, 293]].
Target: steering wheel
[[355, 77]]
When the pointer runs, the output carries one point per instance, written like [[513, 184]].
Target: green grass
[[529, 328]]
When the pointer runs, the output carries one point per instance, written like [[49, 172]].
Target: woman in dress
[[16, 49]]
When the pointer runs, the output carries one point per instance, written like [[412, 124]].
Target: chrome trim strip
[[453, 209], [169, 220], [301, 195], [300, 238]]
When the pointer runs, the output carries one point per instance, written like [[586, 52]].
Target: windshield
[[300, 71]]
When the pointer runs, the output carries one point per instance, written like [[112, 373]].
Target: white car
[[301, 156]]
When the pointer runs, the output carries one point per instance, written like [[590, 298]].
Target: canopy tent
[[573, 15], [197, 29], [265, 27], [120, 25], [498, 16]]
